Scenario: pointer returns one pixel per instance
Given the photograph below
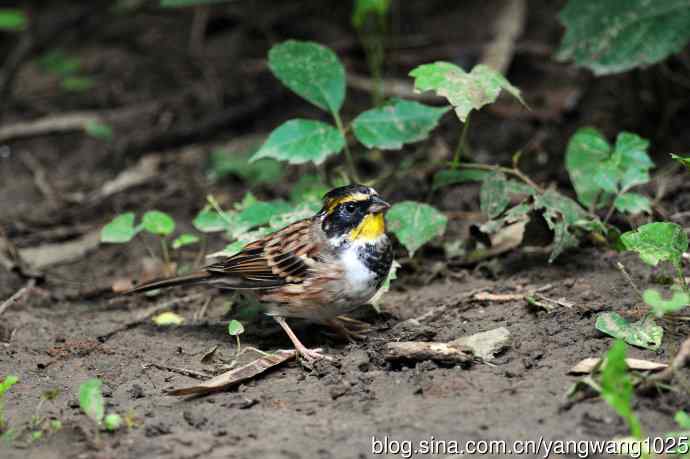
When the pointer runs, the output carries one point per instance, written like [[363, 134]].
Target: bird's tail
[[189, 279]]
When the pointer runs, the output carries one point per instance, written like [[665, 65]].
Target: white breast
[[361, 279]]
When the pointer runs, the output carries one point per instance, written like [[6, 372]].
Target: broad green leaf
[[397, 123], [235, 328], [561, 214], [365, 7], [209, 221], [661, 306], [493, 195], [300, 212], [310, 70], [157, 222], [599, 172], [617, 388], [259, 214], [184, 3], [184, 239], [59, 63], [77, 83], [618, 35], [224, 162], [684, 160], [12, 19], [465, 91], [232, 248], [167, 318], [643, 333], [633, 203], [308, 188], [655, 242], [91, 399], [682, 419], [121, 229], [586, 150], [98, 130], [447, 177], [6, 383], [112, 422], [415, 224], [299, 141]]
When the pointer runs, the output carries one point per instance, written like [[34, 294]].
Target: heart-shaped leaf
[[120, 230], [661, 306], [310, 70], [415, 224], [235, 328], [643, 333], [465, 91], [655, 242], [91, 399], [184, 239], [157, 222], [299, 141], [397, 123]]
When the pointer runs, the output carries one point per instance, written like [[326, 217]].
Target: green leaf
[[633, 203], [59, 63], [98, 130], [599, 173], [643, 333], [682, 419], [365, 7], [167, 318], [299, 141], [157, 222], [184, 239], [77, 83], [617, 388], [259, 214], [12, 19], [91, 399], [120, 230], [310, 70], [684, 160], [447, 177], [235, 328], [465, 91], [7, 382], [493, 195], [655, 242], [209, 221], [397, 123], [615, 36], [661, 306], [224, 162], [308, 188], [112, 422], [561, 214], [415, 224]]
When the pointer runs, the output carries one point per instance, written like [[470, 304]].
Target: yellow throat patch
[[370, 228]]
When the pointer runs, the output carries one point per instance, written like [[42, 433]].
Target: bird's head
[[354, 212]]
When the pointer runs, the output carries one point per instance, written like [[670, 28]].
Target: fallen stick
[[63, 252], [420, 351], [18, 295], [183, 371]]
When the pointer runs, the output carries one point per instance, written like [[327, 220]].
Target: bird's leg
[[308, 354]]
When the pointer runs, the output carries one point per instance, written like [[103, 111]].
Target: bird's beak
[[378, 205]]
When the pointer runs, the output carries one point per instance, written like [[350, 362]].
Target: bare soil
[[71, 327]]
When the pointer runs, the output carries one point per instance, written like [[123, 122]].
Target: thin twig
[[18, 295], [183, 371], [632, 283], [506, 170], [507, 27]]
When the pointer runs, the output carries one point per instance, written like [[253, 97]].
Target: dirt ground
[[184, 104]]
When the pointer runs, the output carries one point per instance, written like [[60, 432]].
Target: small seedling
[[92, 404], [67, 68], [5, 385], [235, 328], [369, 17], [617, 387]]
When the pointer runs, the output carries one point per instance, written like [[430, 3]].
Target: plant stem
[[506, 170], [164, 250], [461, 148], [237, 353], [348, 155]]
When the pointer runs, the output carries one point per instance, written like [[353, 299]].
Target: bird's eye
[[350, 208]]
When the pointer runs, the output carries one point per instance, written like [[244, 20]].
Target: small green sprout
[[617, 387], [235, 328], [112, 422], [5, 385], [92, 404]]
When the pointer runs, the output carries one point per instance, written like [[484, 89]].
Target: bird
[[317, 269]]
